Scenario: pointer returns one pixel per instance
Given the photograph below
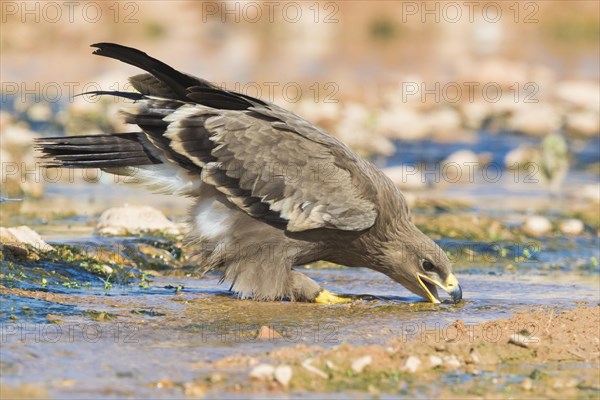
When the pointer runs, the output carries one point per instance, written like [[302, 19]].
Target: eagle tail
[[95, 151]]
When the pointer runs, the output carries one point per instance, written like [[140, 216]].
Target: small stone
[[262, 372], [527, 384], [558, 384], [134, 220], [451, 362], [537, 226], [523, 340], [216, 377], [165, 384], [106, 269], [24, 235], [470, 369], [440, 347], [330, 365], [583, 122], [412, 364], [535, 119], [266, 333], [435, 361], [194, 390], [571, 383], [360, 363], [406, 177], [474, 357], [283, 374], [571, 227], [307, 365]]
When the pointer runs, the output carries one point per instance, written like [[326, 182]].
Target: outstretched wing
[[267, 161]]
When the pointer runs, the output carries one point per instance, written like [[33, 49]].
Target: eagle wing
[[267, 161]]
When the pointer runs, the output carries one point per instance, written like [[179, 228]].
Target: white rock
[[283, 374], [40, 112], [537, 225], [402, 123], [462, 157], [523, 340], [307, 365], [17, 136], [435, 361], [579, 94], [134, 220], [591, 192], [583, 122], [527, 384], [412, 364], [262, 372], [519, 157], [360, 363], [473, 113], [451, 362], [571, 226], [460, 166], [355, 128], [24, 235], [406, 177], [106, 269], [535, 119], [443, 121]]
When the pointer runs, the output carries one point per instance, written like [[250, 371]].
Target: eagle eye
[[427, 265]]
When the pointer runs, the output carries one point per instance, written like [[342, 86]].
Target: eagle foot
[[326, 297]]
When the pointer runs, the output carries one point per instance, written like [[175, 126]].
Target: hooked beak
[[451, 287]]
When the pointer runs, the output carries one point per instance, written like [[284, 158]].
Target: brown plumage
[[271, 190]]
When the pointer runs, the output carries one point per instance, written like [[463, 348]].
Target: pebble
[[536, 120], [451, 362], [266, 333], [412, 364], [24, 235], [537, 225], [361, 363], [194, 390], [571, 227], [216, 377], [262, 372], [307, 365], [583, 122], [283, 374], [460, 166], [406, 177], [134, 220], [527, 384], [435, 361], [523, 340]]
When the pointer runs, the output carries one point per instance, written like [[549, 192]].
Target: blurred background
[[449, 97]]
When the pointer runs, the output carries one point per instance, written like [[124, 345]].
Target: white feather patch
[[166, 179], [211, 218]]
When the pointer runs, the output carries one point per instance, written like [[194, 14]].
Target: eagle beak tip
[[451, 286]]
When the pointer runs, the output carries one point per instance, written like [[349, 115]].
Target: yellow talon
[[326, 297]]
